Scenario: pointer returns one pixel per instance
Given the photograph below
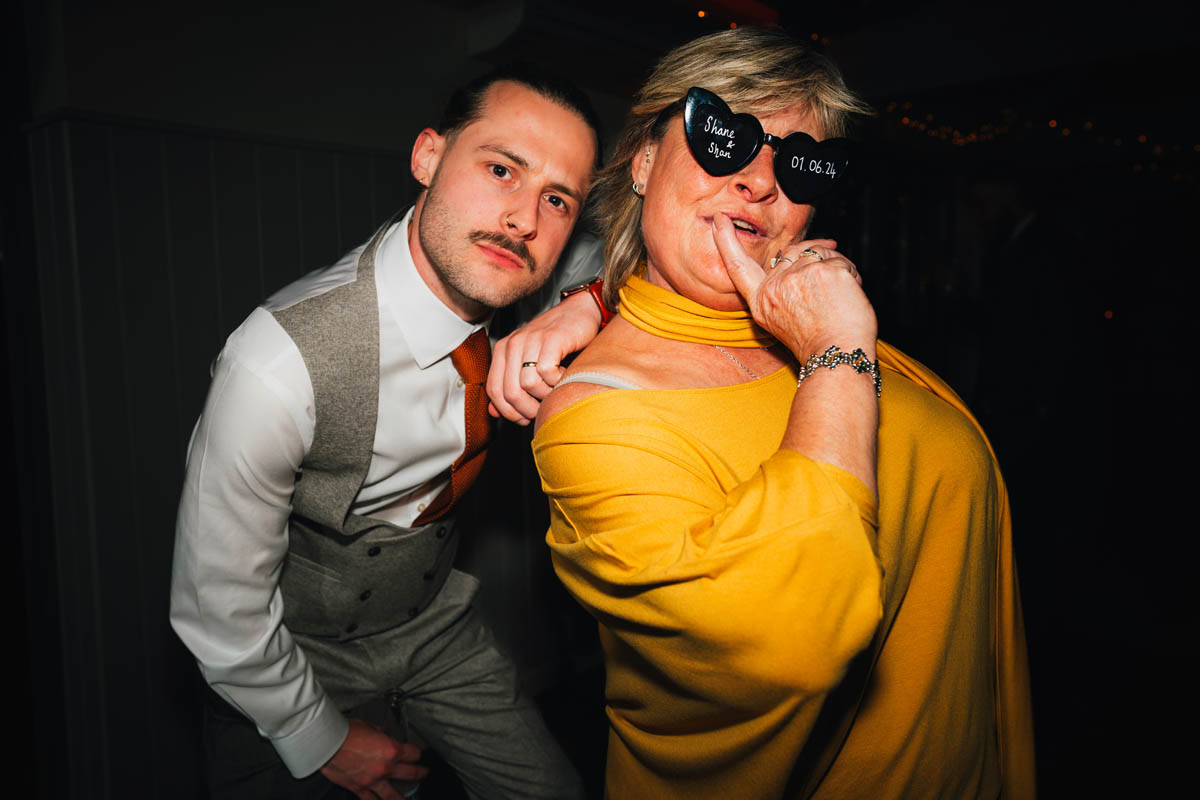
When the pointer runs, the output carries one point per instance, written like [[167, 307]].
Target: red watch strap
[[596, 290]]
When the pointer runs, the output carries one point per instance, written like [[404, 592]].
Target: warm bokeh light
[[1053, 123], [1108, 314], [699, 13]]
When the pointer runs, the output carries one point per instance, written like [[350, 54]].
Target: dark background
[[1024, 225]]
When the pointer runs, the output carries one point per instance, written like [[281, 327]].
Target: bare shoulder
[[563, 398], [611, 353]]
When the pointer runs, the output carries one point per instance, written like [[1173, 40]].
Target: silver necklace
[[729, 355]]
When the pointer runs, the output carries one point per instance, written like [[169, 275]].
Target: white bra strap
[[599, 378]]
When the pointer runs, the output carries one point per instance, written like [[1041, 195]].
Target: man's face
[[503, 195]]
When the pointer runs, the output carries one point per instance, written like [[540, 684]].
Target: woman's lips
[[757, 233]]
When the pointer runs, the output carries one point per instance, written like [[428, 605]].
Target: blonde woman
[[794, 538]]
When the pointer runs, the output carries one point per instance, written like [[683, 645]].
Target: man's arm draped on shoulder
[[558, 331]]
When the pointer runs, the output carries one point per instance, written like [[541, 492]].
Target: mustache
[[516, 247]]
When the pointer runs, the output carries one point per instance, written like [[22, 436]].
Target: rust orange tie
[[472, 359]]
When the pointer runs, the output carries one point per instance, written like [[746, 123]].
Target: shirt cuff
[[306, 751]]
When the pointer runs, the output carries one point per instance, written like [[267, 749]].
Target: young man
[[315, 539]]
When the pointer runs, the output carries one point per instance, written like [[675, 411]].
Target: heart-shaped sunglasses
[[723, 143]]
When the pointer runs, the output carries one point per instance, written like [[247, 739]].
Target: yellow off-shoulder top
[[768, 631]]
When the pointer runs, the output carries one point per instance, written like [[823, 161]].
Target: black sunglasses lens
[[807, 169], [721, 142]]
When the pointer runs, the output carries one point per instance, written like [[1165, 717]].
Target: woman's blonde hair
[[759, 70]]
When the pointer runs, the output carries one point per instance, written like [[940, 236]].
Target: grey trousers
[[447, 686]]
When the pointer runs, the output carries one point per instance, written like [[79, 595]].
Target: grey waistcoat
[[347, 575]]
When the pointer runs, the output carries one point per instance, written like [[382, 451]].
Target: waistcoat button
[[428, 575], [352, 627], [374, 551], [412, 612], [365, 595], [441, 532]]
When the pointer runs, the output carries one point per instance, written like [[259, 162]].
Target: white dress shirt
[[252, 437]]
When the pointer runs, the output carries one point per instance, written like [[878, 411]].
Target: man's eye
[[500, 171], [556, 201]]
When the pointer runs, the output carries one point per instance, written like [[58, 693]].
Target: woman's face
[[681, 199]]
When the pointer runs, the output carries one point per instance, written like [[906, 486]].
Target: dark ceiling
[[948, 70]]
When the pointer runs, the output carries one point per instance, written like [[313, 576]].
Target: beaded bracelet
[[834, 357]]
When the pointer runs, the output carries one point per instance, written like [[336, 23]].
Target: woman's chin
[[734, 302], [718, 298]]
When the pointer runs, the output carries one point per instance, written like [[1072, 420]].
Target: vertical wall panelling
[[153, 244], [109, 302], [43, 562], [195, 339], [147, 275], [377, 212], [192, 237], [280, 217], [356, 218], [236, 204], [99, 352], [214, 197], [318, 220], [390, 185]]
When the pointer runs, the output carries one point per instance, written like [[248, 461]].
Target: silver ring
[[525, 364], [778, 258], [808, 251]]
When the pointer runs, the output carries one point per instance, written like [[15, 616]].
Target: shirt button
[[421, 507], [374, 551], [460, 382], [352, 627], [366, 595]]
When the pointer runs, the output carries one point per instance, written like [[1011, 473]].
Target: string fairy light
[[1147, 152]]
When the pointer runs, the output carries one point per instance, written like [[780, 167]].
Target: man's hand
[[515, 391], [368, 758]]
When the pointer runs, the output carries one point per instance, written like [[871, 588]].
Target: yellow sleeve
[[771, 579]]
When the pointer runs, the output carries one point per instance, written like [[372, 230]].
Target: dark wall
[[152, 245]]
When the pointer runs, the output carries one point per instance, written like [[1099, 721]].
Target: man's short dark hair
[[466, 103]]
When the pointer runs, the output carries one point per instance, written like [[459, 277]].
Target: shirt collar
[[429, 327]]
